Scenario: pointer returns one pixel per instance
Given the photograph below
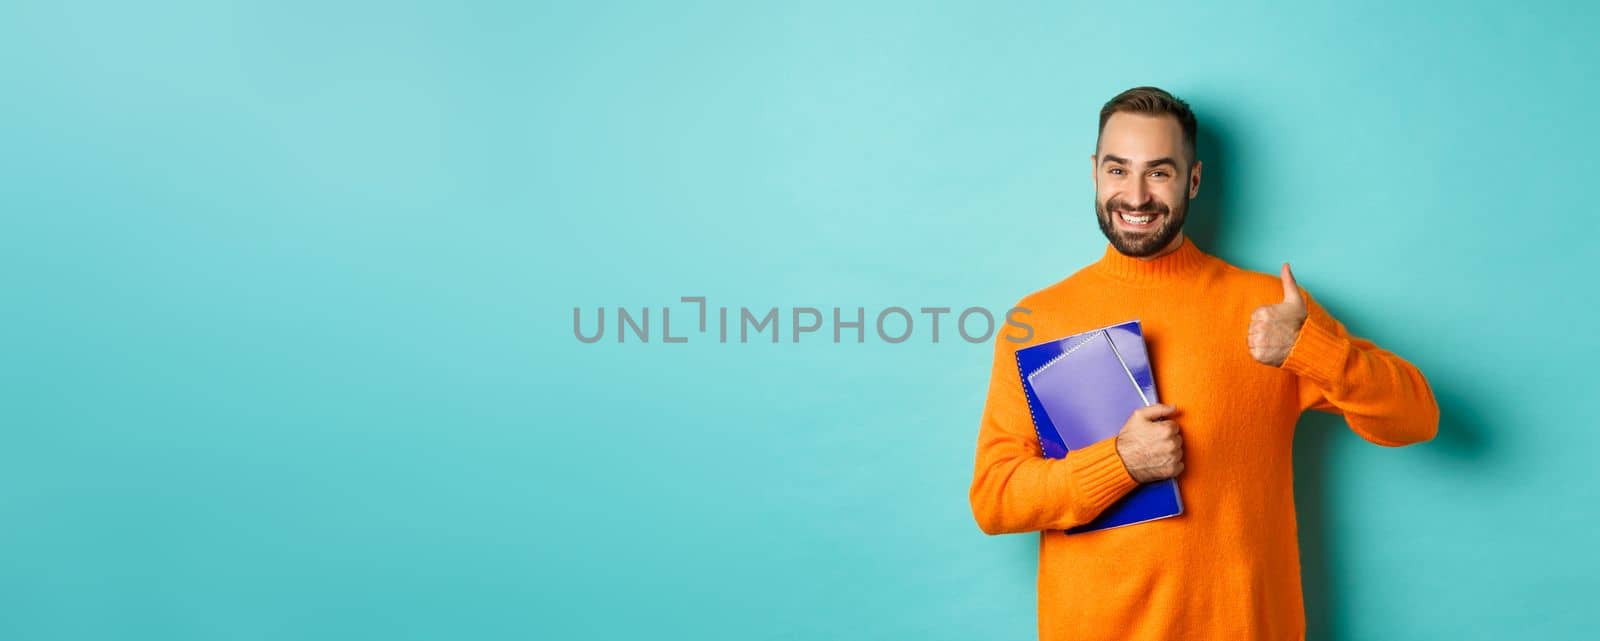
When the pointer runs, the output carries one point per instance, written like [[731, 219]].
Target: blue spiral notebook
[[1081, 390]]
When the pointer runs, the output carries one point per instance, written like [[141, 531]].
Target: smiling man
[[1237, 357]]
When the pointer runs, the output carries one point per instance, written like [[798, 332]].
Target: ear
[[1094, 167], [1194, 180]]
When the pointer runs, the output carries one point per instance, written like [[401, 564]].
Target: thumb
[[1291, 289]]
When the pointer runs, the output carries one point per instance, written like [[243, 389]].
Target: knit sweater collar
[[1172, 267]]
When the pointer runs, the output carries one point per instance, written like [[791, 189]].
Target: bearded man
[[1237, 356]]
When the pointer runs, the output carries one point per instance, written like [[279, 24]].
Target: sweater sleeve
[[1014, 487], [1385, 399]]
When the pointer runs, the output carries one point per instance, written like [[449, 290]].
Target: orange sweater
[[1229, 567]]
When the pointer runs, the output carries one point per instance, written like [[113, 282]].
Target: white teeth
[[1137, 220]]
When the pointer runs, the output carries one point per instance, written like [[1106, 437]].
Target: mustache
[[1151, 207]]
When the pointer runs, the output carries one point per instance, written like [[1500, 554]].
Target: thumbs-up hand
[[1274, 328]]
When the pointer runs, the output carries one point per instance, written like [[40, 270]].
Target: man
[[1237, 356]]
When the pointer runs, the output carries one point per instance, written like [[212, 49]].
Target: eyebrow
[[1165, 160]]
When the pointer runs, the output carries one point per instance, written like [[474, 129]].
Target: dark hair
[[1151, 100]]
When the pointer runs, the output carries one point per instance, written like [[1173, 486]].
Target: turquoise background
[[288, 292]]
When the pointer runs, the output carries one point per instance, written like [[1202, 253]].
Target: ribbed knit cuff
[[1318, 352], [1098, 476]]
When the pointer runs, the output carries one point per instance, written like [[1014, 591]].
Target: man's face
[[1139, 174]]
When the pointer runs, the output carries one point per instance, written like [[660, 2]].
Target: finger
[[1155, 411], [1291, 289]]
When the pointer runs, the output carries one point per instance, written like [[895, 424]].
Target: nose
[[1138, 194]]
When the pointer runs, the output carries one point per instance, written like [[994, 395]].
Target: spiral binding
[[1065, 353], [1038, 437]]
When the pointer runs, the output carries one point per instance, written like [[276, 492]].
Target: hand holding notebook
[[1083, 389], [1150, 443]]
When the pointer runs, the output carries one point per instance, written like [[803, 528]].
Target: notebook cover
[[1080, 390]]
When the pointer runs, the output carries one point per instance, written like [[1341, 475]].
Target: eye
[[1159, 173], [1115, 171]]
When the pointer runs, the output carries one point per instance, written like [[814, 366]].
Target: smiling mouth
[[1138, 221]]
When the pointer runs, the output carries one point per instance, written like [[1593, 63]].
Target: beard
[[1141, 244]]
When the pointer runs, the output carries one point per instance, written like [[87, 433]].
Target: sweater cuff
[[1099, 476], [1318, 352]]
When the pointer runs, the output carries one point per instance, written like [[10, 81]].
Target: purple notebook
[[1081, 389]]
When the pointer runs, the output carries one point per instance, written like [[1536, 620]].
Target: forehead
[[1139, 137]]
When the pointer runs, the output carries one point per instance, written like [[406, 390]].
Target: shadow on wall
[[1462, 443], [1204, 221]]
